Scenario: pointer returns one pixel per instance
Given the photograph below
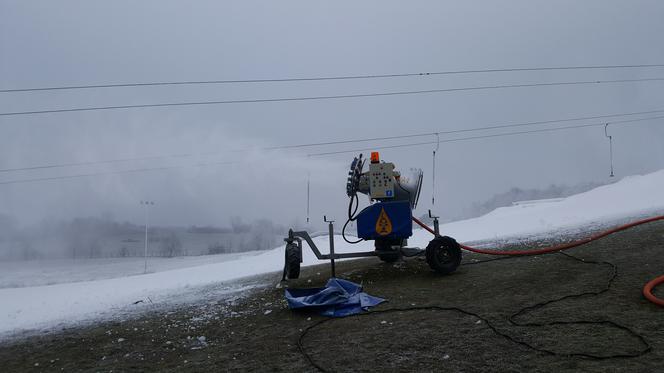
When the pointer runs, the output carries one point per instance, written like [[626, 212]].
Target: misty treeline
[[102, 237], [515, 195], [518, 194]]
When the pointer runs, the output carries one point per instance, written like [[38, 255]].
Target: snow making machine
[[388, 221]]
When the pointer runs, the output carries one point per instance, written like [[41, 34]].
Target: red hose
[[647, 290]]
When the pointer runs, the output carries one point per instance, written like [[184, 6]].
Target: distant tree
[[218, 248], [264, 235], [238, 226], [208, 229], [94, 247], [28, 252], [517, 194], [8, 226], [171, 245]]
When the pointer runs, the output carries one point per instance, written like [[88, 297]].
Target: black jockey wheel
[[443, 255], [293, 260]]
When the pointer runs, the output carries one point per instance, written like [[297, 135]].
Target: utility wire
[[338, 142], [331, 97], [484, 136], [322, 78], [137, 170], [89, 163], [22, 181], [425, 134]]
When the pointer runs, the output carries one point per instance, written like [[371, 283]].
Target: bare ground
[[259, 333]]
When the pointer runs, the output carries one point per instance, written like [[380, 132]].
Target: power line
[[138, 170], [89, 163], [23, 181], [338, 142], [484, 136], [323, 78], [332, 97], [464, 130]]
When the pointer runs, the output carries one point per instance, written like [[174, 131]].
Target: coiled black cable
[[512, 320], [351, 217]]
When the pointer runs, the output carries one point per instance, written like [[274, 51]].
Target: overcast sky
[[48, 43]]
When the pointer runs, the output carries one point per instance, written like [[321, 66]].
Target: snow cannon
[[387, 220]]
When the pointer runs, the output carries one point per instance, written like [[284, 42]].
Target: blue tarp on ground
[[338, 298]]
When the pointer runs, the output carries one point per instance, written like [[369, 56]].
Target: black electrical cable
[[351, 217], [606, 288], [331, 97], [486, 260], [512, 320], [322, 78]]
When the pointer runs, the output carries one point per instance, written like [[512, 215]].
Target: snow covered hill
[[44, 307]]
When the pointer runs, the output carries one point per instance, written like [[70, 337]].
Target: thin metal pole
[[331, 229], [308, 189], [610, 147], [611, 153], [308, 194], [433, 171], [145, 269], [146, 204]]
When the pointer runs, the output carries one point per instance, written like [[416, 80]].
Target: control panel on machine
[[381, 179]]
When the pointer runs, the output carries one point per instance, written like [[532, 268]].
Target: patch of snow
[[14, 274], [37, 307]]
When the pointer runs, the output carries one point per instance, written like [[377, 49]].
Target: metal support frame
[[305, 236], [330, 224], [298, 236], [436, 225]]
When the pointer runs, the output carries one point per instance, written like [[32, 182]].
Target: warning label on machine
[[383, 224]]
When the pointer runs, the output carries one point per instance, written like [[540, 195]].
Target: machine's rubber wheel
[[443, 255], [292, 261], [389, 257]]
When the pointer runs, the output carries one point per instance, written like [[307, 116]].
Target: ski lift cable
[[338, 142], [326, 97], [22, 181], [323, 78], [484, 136]]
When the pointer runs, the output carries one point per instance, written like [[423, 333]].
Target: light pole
[[146, 204]]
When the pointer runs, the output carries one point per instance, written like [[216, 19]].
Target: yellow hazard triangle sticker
[[384, 224]]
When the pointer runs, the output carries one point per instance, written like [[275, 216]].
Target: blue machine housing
[[371, 223]]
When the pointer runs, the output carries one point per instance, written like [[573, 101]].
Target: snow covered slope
[[630, 197], [47, 306]]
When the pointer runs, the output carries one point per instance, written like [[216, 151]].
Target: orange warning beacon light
[[375, 157]]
